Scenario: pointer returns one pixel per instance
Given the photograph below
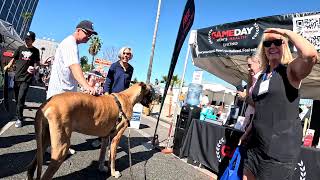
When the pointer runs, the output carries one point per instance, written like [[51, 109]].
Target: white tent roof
[[11, 38], [217, 88], [233, 67]]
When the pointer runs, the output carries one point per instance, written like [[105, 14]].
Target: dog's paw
[[103, 168], [116, 174]]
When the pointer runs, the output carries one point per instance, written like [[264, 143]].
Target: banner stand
[[174, 120]]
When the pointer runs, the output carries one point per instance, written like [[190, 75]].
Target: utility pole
[[153, 43]]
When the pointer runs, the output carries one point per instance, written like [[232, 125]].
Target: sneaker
[[96, 143], [71, 151], [18, 123]]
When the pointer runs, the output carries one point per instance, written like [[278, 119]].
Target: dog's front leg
[[113, 151], [102, 156]]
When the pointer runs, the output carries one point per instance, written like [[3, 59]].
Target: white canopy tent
[[10, 37], [222, 49]]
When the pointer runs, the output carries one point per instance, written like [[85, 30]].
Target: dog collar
[[120, 108]]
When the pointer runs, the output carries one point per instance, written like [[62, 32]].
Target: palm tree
[[174, 82], [83, 60], [26, 17], [153, 43], [84, 64], [95, 46]]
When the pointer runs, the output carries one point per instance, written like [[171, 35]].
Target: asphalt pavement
[[17, 149]]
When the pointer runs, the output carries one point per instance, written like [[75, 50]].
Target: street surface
[[17, 149]]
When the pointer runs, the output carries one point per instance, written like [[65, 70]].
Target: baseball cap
[[31, 35], [87, 25]]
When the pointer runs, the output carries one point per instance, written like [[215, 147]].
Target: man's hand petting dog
[[90, 90]]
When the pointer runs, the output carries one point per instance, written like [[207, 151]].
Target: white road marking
[[7, 126]]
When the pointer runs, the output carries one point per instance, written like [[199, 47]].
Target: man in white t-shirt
[[66, 71]]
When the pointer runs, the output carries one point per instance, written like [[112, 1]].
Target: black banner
[[240, 38], [185, 25], [213, 146]]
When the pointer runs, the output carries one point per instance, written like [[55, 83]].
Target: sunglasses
[[125, 53], [276, 42], [87, 33]]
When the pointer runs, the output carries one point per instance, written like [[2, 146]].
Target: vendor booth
[[222, 51]]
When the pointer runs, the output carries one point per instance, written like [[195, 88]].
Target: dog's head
[[147, 94]]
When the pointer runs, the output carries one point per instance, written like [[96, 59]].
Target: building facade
[[19, 13], [47, 48]]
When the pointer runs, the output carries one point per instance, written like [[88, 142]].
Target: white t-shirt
[[61, 79]]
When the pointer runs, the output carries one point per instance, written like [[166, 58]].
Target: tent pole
[[174, 120], [311, 109]]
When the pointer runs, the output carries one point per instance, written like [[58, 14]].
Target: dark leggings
[[20, 93]]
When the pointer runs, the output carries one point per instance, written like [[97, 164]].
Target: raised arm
[[307, 57]]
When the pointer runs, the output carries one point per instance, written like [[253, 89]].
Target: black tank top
[[277, 130]]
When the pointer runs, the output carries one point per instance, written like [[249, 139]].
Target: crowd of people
[[65, 71], [272, 93]]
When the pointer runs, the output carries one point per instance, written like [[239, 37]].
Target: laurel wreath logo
[[257, 30], [209, 36], [303, 172], [218, 147]]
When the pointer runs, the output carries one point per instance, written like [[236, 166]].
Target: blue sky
[[131, 23]]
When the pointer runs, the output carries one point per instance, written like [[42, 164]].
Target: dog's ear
[[143, 85]]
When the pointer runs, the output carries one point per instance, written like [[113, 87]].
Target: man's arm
[[12, 61], [78, 75], [307, 57], [5, 68]]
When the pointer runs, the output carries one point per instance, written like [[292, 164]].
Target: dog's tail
[[38, 131], [42, 134]]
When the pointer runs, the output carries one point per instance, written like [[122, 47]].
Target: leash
[[129, 147], [120, 109], [129, 153]]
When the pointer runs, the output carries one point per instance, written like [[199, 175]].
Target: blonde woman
[[276, 130]]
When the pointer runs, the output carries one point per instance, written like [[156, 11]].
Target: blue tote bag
[[233, 172]]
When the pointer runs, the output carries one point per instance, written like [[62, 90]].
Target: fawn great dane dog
[[101, 116]]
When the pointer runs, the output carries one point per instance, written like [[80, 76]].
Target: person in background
[[204, 101], [120, 73], [254, 73], [275, 143], [118, 77], [182, 97], [92, 81], [66, 71], [27, 60]]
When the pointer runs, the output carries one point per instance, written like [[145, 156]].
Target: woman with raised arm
[[274, 147]]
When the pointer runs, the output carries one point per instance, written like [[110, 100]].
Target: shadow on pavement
[[143, 126], [123, 145], [92, 172], [35, 95], [15, 163], [6, 142]]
